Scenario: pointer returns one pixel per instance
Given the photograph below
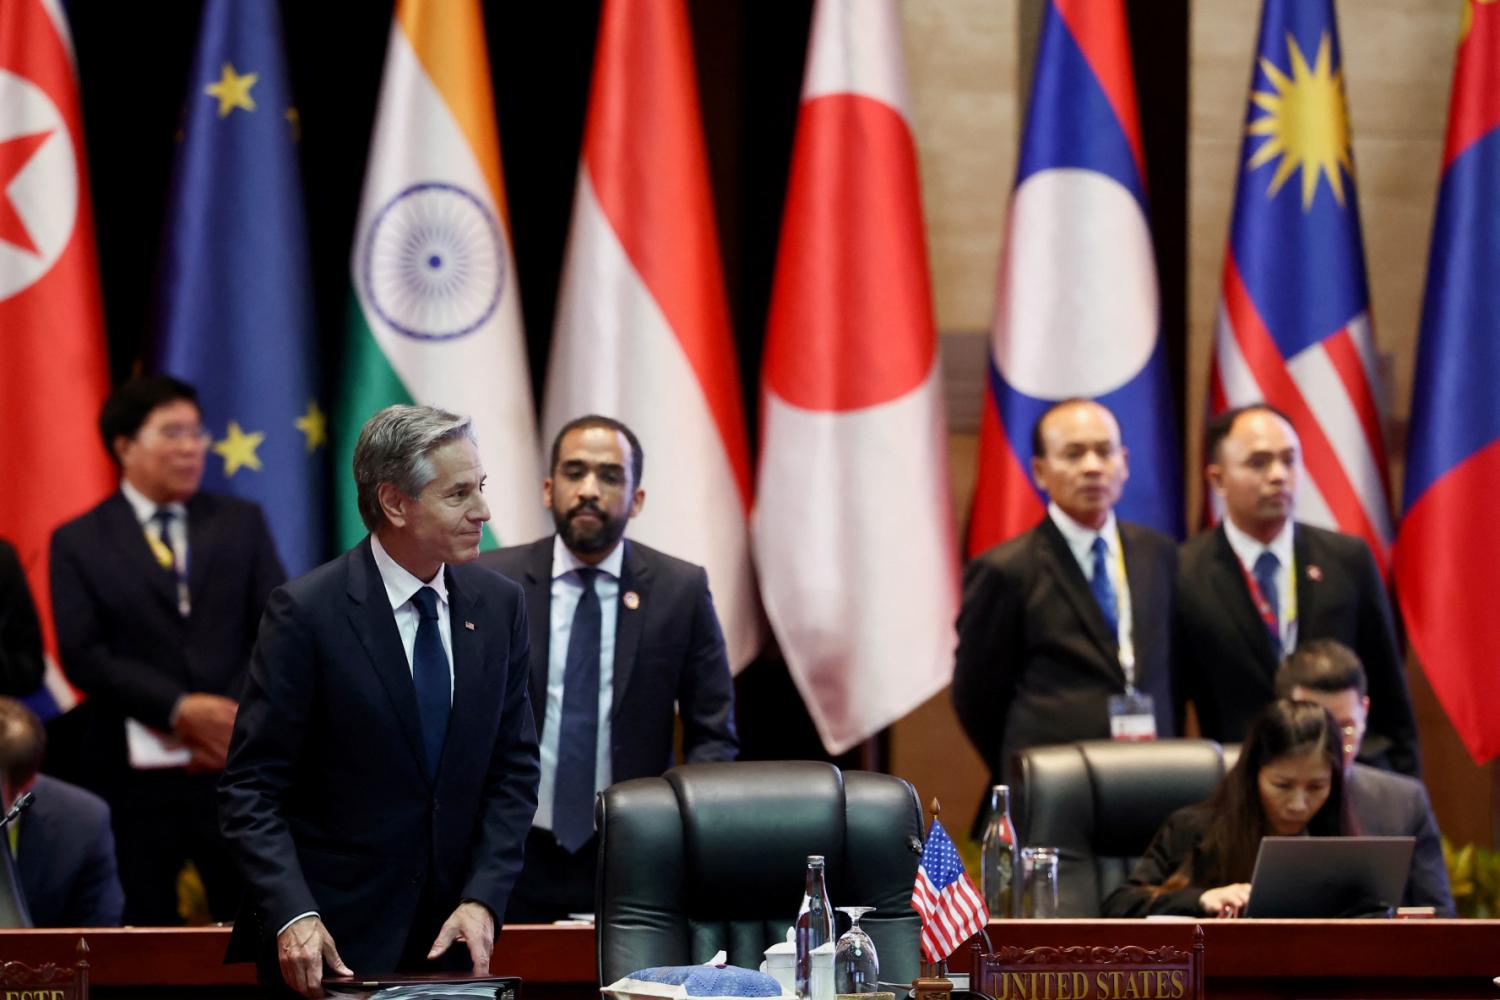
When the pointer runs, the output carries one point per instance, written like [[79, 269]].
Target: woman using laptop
[[1287, 782]]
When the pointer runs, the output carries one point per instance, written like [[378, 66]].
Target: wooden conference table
[[1243, 958]]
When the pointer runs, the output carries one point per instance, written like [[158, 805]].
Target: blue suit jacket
[[326, 800], [1229, 664], [1387, 804], [121, 637], [669, 657], [66, 858], [1036, 661]]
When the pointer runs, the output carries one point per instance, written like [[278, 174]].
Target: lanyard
[[1124, 635], [1263, 606]]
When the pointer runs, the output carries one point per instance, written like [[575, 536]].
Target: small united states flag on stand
[[952, 909]]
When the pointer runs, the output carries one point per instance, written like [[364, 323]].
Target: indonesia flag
[[1077, 310], [642, 323], [435, 314], [1449, 540], [55, 374], [1294, 312], [852, 527]]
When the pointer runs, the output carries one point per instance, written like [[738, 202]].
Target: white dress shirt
[[400, 586], [566, 590], [177, 534], [1248, 549], [1080, 539]]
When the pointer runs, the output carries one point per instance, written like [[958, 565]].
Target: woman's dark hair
[[1284, 728]]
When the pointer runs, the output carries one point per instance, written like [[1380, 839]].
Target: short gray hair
[[395, 446]]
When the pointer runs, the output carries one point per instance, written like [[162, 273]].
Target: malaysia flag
[[1076, 309], [1294, 312], [1449, 537]]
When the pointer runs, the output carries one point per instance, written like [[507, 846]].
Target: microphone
[[22, 803]]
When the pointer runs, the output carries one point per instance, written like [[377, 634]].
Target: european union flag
[[236, 307]]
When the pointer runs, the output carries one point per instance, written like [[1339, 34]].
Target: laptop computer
[[1329, 876]]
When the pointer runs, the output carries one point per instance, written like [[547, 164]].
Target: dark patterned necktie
[[578, 735], [430, 674]]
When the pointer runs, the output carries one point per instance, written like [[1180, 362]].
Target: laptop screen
[[1329, 876]]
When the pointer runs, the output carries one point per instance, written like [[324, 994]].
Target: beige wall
[[966, 61]]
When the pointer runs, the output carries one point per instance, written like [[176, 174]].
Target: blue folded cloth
[[711, 980]]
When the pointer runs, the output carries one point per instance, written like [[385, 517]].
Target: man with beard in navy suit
[[621, 634]]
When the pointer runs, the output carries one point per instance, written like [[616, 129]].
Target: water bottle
[[998, 856], [814, 924]]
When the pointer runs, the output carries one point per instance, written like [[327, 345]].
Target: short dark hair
[[22, 743], [1038, 446], [1222, 423], [1325, 665], [637, 457], [130, 404]]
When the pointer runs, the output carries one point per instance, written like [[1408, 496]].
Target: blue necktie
[[1104, 590], [578, 735], [429, 672], [1266, 565]]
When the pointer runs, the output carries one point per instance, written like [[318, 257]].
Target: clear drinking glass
[[856, 967], [1039, 870]]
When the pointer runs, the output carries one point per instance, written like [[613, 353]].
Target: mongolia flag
[[435, 317], [642, 323], [236, 305], [1294, 312], [852, 528], [54, 374], [1449, 541], [1077, 310]]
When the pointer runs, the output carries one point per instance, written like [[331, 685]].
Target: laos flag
[[1450, 539], [1294, 310], [1077, 309]]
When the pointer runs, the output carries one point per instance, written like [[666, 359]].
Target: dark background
[[134, 61]]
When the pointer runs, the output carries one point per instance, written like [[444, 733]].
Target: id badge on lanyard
[[1131, 718], [1132, 715]]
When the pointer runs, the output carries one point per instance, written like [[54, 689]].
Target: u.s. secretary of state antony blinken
[[383, 772]]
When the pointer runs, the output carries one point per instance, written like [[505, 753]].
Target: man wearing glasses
[[157, 593], [1386, 804]]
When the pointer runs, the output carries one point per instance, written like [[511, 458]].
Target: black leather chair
[[713, 856], [1100, 802]]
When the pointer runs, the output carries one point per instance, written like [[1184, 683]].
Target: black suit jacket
[[66, 858], [118, 629], [1228, 661], [1394, 805], [326, 800], [20, 629], [669, 651], [1036, 660]]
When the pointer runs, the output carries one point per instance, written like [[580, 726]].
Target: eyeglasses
[[176, 433]]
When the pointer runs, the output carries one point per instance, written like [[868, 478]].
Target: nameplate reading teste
[[1127, 972]]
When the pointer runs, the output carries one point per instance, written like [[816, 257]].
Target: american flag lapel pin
[[469, 625]]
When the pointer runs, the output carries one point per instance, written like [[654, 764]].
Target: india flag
[[435, 317]]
